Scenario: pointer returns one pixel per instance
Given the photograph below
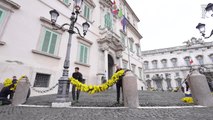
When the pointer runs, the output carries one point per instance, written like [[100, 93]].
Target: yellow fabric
[[7, 82], [187, 99], [91, 89]]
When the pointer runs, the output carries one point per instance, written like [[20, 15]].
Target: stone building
[[166, 69], [30, 46]]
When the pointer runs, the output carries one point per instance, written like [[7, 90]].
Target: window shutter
[[46, 41], [1, 15], [66, 1], [53, 43], [81, 53], [85, 11], [88, 10], [85, 54]]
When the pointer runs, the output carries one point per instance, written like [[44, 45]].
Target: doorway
[[110, 66]]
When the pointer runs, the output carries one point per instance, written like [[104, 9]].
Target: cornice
[[107, 3], [90, 2], [133, 13], [12, 4], [132, 28], [177, 48], [45, 20]]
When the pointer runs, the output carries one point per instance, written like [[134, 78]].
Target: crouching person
[[4, 93]]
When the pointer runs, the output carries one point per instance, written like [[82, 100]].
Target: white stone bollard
[[130, 91], [200, 90], [21, 92]]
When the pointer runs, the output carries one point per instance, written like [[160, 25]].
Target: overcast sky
[[167, 23]]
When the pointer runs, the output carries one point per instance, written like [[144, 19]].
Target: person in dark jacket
[[78, 76], [119, 86], [4, 93]]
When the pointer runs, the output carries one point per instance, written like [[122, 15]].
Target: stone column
[[106, 63], [130, 90], [200, 90]]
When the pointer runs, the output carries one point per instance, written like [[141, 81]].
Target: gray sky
[[167, 23]]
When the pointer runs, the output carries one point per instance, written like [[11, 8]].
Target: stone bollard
[[21, 92], [130, 91], [200, 90]]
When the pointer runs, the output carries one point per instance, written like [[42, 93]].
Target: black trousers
[[4, 101], [73, 93], [119, 88]]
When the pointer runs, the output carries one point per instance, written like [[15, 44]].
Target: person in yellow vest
[[5, 92]]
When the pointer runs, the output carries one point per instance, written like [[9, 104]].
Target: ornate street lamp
[[209, 9], [64, 83], [201, 26]]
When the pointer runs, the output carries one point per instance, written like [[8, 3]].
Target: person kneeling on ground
[[5, 92]]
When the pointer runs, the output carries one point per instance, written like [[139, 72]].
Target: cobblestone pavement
[[108, 99], [106, 108]]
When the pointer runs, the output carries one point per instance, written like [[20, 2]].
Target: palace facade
[[166, 69], [30, 46]]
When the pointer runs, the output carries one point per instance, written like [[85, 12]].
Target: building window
[[203, 10], [187, 60], [146, 65], [41, 80], [4, 15], [177, 74], [87, 11], [140, 72], [83, 54], [108, 21], [133, 68], [147, 76], [123, 39], [131, 45], [174, 62], [125, 64], [138, 50], [164, 63], [67, 2], [211, 57], [200, 59], [49, 41], [155, 64]]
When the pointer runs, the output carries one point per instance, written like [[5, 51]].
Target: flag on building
[[114, 8], [120, 13], [124, 23], [190, 61]]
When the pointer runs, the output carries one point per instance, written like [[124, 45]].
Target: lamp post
[[201, 26], [62, 99]]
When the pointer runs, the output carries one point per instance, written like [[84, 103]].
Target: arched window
[[200, 59], [164, 63], [187, 60], [146, 65], [155, 64], [211, 57], [174, 62]]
